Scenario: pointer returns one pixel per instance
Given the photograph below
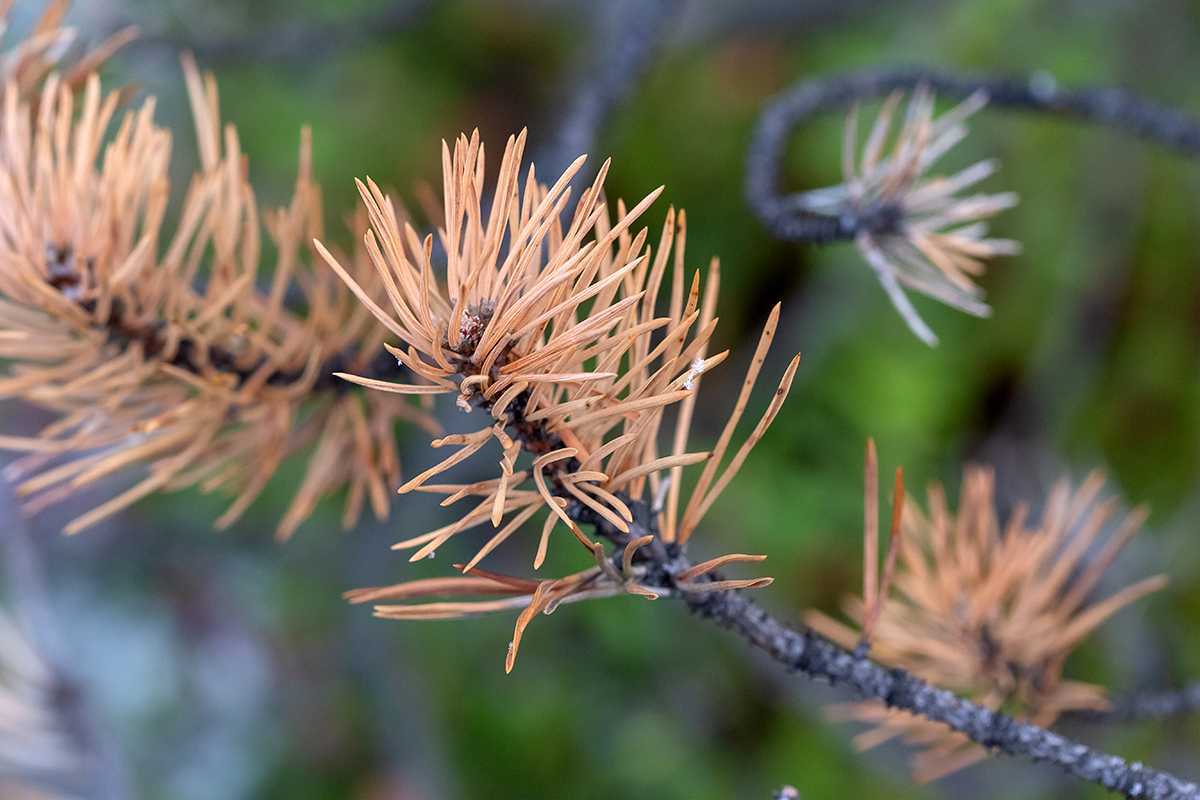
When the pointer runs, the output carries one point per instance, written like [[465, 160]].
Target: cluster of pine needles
[[186, 355], [989, 610], [552, 331], [166, 351]]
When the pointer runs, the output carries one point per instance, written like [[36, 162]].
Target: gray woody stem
[[815, 657]]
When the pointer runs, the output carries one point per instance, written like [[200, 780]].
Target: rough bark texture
[[813, 656]]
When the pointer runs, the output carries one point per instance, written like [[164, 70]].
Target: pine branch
[[817, 658], [219, 380], [570, 432], [806, 652], [783, 213], [187, 356]]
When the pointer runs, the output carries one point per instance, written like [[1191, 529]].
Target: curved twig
[[781, 212], [294, 43]]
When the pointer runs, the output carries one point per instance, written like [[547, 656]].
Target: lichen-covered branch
[[810, 654], [817, 658]]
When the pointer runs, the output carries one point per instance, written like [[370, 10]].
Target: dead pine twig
[[914, 229], [543, 321], [990, 612], [808, 652], [558, 338], [106, 322], [876, 588]]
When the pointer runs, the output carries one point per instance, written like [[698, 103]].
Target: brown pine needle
[[536, 604], [870, 526], [666, 462], [631, 549], [470, 443], [388, 386], [768, 417], [723, 586], [716, 563], [987, 612], [433, 587], [874, 607], [451, 610]]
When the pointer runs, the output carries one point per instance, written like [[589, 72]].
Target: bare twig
[[295, 43], [817, 658], [193, 355]]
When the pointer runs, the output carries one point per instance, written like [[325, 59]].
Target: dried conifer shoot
[[923, 236], [552, 330], [554, 334], [165, 352], [989, 612]]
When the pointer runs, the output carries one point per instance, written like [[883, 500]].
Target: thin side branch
[[188, 355], [297, 43], [817, 658], [1147, 705]]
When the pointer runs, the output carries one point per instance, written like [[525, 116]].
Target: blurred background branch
[[80, 756], [638, 28], [1041, 93]]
